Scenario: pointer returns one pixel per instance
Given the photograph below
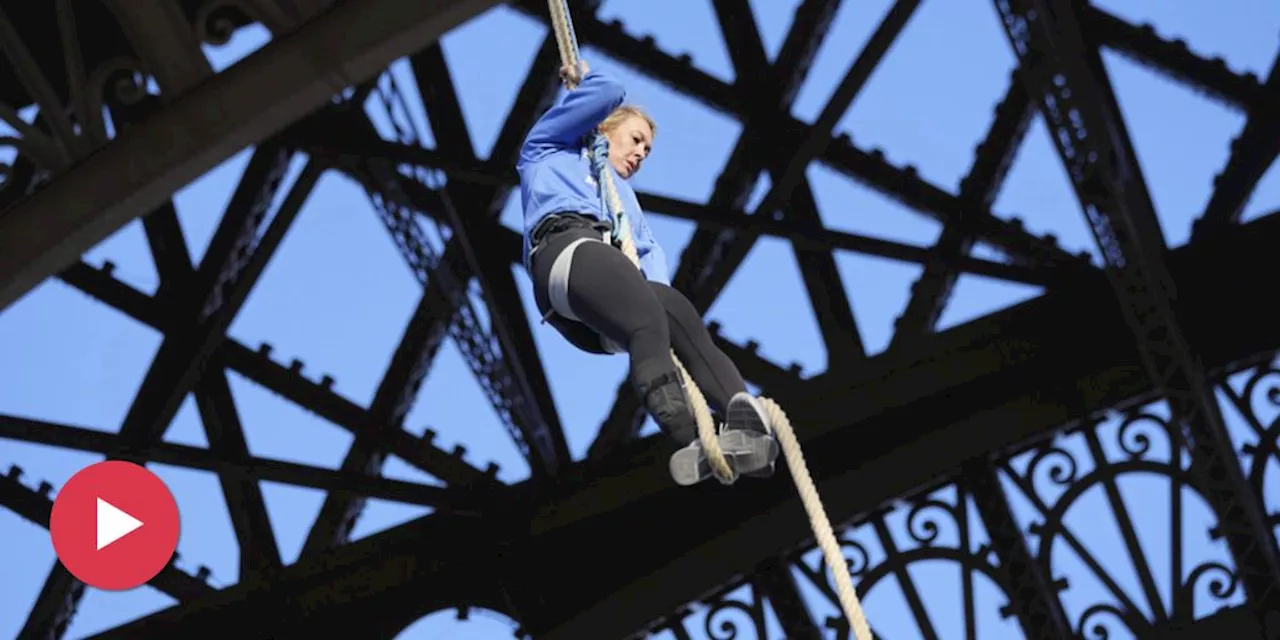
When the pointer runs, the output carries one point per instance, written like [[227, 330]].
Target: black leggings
[[611, 298]]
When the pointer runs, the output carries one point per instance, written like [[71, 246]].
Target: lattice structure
[[115, 105]]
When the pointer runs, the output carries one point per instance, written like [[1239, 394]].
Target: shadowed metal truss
[[1034, 406]]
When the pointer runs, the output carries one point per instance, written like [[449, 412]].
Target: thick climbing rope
[[822, 530]]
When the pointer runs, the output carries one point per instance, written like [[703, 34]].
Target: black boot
[[664, 398]]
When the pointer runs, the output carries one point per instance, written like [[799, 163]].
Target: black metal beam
[[774, 380], [241, 106], [774, 579], [465, 206], [1252, 154], [978, 190], [259, 553], [252, 469], [855, 78], [206, 304], [435, 270], [538, 90], [986, 386], [168, 248], [1172, 58], [245, 258], [318, 398], [1033, 595], [504, 243], [285, 381], [218, 413], [822, 279], [391, 404], [34, 505], [55, 605], [533, 97], [1073, 91], [345, 143]]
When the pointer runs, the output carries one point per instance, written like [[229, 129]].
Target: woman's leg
[[714, 372], [722, 385], [585, 280]]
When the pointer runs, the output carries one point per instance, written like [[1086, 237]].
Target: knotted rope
[[822, 530]]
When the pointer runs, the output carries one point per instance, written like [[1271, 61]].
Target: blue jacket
[[555, 174]]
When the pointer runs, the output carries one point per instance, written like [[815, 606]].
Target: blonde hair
[[624, 112]]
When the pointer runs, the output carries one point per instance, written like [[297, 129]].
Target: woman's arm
[[579, 113]]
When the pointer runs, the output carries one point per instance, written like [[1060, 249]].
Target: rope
[[822, 530]]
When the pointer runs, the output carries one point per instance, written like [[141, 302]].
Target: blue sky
[[337, 295]]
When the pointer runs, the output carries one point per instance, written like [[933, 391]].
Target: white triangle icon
[[113, 523]]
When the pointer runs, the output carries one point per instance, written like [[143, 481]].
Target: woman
[[597, 299]]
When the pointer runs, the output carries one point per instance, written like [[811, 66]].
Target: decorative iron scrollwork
[[1102, 621], [1064, 473], [217, 20], [1258, 404], [60, 119], [1044, 485], [725, 614], [932, 527], [735, 612]]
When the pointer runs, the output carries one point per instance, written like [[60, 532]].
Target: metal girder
[[259, 552], [1252, 154], [537, 91], [818, 270], [411, 361], [776, 381], [978, 190], [989, 385], [1066, 75], [506, 389], [460, 260], [203, 304], [1033, 596], [774, 579], [204, 301], [821, 239], [344, 145], [855, 78], [465, 208], [165, 42], [315, 597], [285, 381], [251, 469], [255, 98], [391, 403], [1172, 58], [49, 615]]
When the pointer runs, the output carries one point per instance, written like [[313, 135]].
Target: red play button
[[114, 525]]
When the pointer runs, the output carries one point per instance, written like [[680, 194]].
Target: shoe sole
[[689, 466], [743, 415], [748, 453]]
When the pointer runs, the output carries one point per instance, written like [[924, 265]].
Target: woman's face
[[629, 144]]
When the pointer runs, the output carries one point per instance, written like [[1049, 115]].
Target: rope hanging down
[[822, 530]]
